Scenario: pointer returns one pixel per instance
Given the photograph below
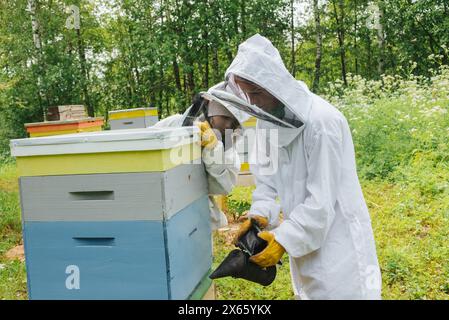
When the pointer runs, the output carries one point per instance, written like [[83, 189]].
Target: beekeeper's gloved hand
[[246, 225], [271, 254], [208, 138]]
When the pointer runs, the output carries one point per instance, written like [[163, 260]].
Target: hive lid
[[63, 122], [131, 110], [106, 141], [132, 113]]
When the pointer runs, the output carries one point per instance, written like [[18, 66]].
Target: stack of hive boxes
[[64, 120], [248, 141], [69, 112], [244, 148], [115, 215], [133, 118], [52, 128]]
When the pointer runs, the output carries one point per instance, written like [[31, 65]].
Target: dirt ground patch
[[16, 253]]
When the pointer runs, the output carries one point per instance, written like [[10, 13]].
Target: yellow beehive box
[[52, 128], [133, 118], [249, 124], [132, 150]]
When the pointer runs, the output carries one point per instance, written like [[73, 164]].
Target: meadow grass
[[12, 272], [400, 129]]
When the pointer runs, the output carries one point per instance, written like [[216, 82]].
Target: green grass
[[400, 129], [410, 227], [13, 281], [412, 239], [411, 233], [12, 273]]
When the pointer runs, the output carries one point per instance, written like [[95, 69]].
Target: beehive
[[68, 112], [246, 143], [133, 118], [52, 128], [115, 215]]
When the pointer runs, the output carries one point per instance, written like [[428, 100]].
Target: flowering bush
[[395, 119]]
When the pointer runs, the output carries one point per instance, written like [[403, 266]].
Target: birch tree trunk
[[319, 46], [292, 30], [340, 20], [381, 40], [35, 28]]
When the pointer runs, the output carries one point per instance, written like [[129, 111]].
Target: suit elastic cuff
[[286, 235]]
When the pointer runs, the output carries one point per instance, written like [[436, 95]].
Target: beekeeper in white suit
[[326, 228], [220, 157]]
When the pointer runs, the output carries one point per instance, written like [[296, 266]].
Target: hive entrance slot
[[91, 195], [95, 241]]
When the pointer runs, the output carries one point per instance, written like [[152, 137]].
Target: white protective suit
[[221, 177], [326, 228]]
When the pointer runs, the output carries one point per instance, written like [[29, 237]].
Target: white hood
[[238, 114], [259, 61]]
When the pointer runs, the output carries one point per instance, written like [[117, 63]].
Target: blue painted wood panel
[[119, 259], [109, 260], [189, 248]]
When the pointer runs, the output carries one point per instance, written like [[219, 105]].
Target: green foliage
[[12, 280], [12, 273], [159, 53], [10, 222], [239, 201], [396, 120], [400, 131], [411, 238]]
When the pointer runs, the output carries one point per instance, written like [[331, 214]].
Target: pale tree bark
[[215, 64], [380, 39], [319, 46], [35, 27], [175, 64], [340, 20], [243, 17], [206, 55], [85, 74], [356, 49], [292, 31]]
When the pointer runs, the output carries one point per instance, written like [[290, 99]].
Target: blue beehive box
[[115, 215]]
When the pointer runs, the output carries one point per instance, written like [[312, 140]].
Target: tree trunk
[[35, 27], [177, 76], [243, 17], [381, 41], [215, 65], [340, 20], [319, 45], [369, 54], [85, 75], [160, 103], [191, 81], [206, 55], [292, 30], [356, 62]]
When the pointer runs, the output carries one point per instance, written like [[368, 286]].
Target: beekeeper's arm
[[171, 121], [222, 168], [308, 224], [264, 198]]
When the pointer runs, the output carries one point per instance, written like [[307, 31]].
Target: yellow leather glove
[[271, 254], [244, 227], [208, 138]]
